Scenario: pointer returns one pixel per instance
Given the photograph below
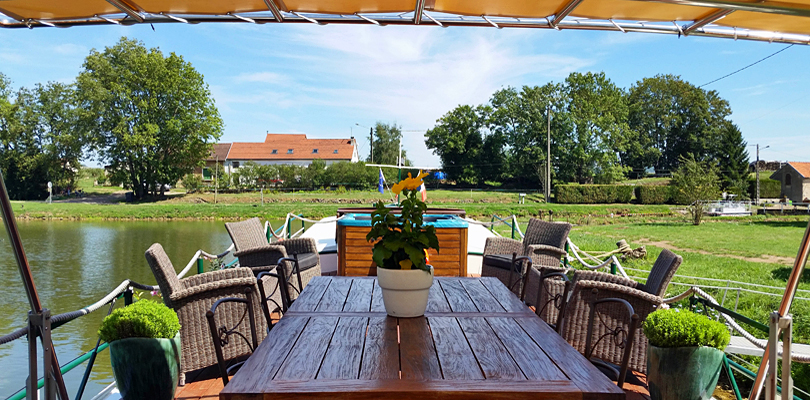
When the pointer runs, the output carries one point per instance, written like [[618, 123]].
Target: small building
[[291, 149], [795, 179], [218, 155]]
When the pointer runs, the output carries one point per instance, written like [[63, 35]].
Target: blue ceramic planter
[[683, 373], [146, 368]]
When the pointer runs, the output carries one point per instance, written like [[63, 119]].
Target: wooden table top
[[476, 341]]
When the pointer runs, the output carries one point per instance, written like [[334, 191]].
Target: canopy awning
[[780, 21]]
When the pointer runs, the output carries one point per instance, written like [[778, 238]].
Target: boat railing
[[125, 290]]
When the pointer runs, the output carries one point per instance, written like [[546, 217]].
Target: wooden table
[[476, 341]]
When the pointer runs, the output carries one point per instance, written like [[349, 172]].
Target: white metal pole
[[548, 155]]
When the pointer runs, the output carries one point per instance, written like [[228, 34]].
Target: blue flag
[[381, 185]]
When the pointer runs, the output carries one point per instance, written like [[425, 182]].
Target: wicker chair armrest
[[643, 303], [246, 279], [597, 276], [544, 248], [498, 245], [300, 245], [260, 249], [215, 276]]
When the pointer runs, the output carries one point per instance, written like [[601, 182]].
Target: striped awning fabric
[[782, 21]]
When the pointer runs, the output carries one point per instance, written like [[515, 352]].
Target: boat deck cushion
[[502, 261]]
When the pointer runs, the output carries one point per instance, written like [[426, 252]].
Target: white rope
[[314, 221], [517, 226], [733, 324], [724, 281], [602, 264]]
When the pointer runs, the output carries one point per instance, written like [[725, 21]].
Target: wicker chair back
[[247, 234], [164, 272], [662, 272], [548, 233]]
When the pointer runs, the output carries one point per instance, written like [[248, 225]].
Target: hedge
[[768, 188], [654, 194], [593, 194]]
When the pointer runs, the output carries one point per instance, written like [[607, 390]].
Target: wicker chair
[[544, 243], [231, 322], [192, 297], [547, 290], [657, 282], [253, 251]]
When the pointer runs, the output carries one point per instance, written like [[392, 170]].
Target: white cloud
[[261, 77]]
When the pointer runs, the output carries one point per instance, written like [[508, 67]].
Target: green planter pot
[[683, 373], [146, 368]]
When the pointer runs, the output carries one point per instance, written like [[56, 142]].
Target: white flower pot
[[405, 292]]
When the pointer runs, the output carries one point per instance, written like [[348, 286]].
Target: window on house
[[787, 179], [275, 151], [334, 152], [235, 164], [206, 174], [314, 151], [289, 151]]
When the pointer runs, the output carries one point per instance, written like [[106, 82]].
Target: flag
[[381, 184], [422, 188]]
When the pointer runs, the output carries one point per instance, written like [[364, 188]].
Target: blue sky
[[322, 80]]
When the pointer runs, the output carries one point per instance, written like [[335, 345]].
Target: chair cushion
[[502, 261], [307, 260]]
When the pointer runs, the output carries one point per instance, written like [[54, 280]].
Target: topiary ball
[[683, 328], [145, 319]]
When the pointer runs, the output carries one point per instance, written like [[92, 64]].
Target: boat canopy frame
[[771, 21]]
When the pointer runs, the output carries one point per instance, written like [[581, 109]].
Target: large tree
[[672, 118], [596, 110], [387, 139], [40, 138], [732, 159], [152, 117], [457, 140]]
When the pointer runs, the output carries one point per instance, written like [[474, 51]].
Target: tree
[[387, 139], [672, 118], [457, 140], [732, 158], [39, 139], [151, 117], [596, 113], [695, 182]]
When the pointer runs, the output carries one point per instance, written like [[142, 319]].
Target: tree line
[[148, 116], [599, 133]]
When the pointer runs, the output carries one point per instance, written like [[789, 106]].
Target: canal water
[[74, 265]]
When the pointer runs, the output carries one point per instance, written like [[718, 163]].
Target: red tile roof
[[219, 151], [802, 168], [302, 148]]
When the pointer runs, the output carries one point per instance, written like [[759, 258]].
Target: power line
[[747, 66]]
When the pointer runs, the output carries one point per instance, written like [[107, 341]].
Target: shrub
[[192, 182], [768, 188], [654, 194], [101, 179], [683, 328], [147, 319], [593, 194]]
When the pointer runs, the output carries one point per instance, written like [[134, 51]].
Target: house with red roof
[[280, 148], [795, 178]]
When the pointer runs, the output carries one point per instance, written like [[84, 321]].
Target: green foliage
[[671, 118], [192, 182], [693, 183], [41, 139], [457, 140], [386, 144], [654, 194], [732, 158], [150, 116], [403, 241], [683, 328], [144, 318], [768, 188], [593, 194]]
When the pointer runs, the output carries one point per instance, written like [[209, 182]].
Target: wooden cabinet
[[354, 252]]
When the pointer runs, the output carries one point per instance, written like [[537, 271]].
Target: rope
[[612, 260], [314, 221], [800, 358], [724, 281]]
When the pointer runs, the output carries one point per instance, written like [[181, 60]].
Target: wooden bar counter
[[354, 251]]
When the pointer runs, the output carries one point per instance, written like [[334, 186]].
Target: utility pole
[[548, 155], [756, 166], [371, 143], [216, 179]]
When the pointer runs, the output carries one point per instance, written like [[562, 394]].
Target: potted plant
[[685, 354], [144, 343], [401, 252]]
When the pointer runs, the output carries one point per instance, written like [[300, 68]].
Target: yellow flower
[[409, 183]]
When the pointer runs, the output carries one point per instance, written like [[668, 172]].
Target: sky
[[337, 81]]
